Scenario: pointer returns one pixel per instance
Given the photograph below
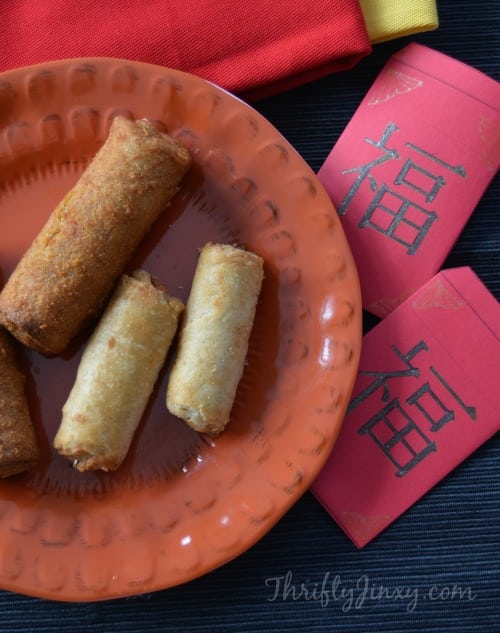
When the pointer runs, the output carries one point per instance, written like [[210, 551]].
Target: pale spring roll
[[68, 272], [18, 446], [213, 340], [117, 374]]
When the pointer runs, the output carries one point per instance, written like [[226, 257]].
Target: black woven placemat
[[434, 570]]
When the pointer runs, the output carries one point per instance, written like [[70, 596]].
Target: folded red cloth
[[255, 47]]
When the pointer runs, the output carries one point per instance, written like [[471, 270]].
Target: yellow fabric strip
[[389, 19]]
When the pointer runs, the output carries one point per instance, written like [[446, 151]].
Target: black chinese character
[[399, 218], [364, 170], [393, 429], [404, 177], [381, 377], [399, 437], [391, 212], [445, 414], [471, 411]]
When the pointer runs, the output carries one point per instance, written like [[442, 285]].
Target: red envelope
[[410, 168], [255, 48], [425, 398]]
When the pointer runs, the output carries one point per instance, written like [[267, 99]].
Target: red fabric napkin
[[251, 47]]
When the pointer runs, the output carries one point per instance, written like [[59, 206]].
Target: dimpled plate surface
[[180, 505]]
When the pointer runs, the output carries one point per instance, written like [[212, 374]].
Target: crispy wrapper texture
[[213, 341], [71, 267], [117, 373], [18, 446]]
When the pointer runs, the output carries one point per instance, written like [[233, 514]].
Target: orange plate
[[180, 505]]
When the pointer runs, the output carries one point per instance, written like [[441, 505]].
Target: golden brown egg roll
[[117, 373], [18, 446], [65, 276], [213, 340]]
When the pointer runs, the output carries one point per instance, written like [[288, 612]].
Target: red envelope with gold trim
[[426, 397], [410, 167]]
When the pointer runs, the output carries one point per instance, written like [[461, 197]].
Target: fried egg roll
[[18, 446], [68, 272], [117, 373], [213, 341]]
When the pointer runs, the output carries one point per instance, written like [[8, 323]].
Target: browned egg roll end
[[18, 446]]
